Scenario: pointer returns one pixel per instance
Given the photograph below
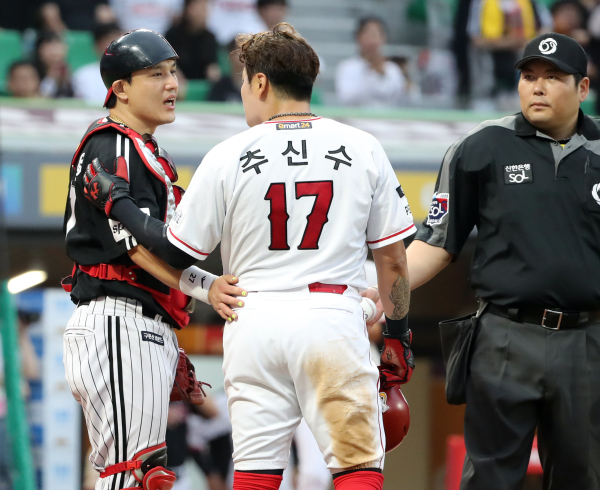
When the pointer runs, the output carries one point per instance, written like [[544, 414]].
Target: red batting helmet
[[396, 414]]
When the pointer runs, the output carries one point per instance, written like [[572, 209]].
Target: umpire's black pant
[[524, 377]]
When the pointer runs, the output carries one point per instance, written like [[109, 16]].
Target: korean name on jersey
[[300, 199]]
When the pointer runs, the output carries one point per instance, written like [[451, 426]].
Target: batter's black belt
[[552, 319]]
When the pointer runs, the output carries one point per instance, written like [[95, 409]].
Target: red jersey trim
[[292, 121], [191, 248], [392, 236]]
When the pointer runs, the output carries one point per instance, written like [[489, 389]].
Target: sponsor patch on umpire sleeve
[[152, 337], [438, 209], [294, 125], [518, 174]]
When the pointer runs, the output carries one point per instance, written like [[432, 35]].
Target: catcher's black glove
[[102, 188]]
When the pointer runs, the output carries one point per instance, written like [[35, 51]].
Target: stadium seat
[[10, 51], [81, 49], [197, 90], [223, 59], [317, 97]]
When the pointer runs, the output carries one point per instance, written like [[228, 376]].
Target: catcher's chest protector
[[175, 303], [158, 167]]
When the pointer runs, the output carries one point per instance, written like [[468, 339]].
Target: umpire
[[530, 183]]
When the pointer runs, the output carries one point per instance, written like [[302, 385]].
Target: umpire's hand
[[102, 188]]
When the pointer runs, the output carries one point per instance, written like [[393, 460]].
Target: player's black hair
[[289, 62], [112, 101], [362, 23]]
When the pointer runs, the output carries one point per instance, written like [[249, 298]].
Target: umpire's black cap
[[560, 50], [134, 50]]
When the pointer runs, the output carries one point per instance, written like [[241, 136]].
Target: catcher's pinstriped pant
[[120, 367]]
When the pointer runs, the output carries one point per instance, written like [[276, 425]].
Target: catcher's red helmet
[[396, 416]]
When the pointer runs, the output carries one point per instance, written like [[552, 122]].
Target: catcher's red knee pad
[[367, 479], [255, 481], [148, 468], [147, 459]]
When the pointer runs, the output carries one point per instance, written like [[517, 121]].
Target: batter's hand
[[397, 357], [223, 295], [102, 188], [373, 294]]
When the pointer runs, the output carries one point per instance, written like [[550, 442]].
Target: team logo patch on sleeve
[[438, 209], [294, 125], [518, 174], [153, 337], [400, 191]]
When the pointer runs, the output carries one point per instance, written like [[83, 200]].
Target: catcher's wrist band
[[396, 328], [195, 283]]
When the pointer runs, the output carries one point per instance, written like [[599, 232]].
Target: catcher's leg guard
[[148, 468], [158, 478]]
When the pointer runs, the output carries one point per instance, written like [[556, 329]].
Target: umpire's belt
[[552, 319]]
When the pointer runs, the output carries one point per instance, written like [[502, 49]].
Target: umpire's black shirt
[[536, 205]]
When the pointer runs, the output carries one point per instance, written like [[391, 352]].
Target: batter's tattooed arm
[[400, 298], [393, 279]]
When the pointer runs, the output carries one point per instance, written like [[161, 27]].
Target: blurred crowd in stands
[[489, 36], [52, 49], [56, 47]]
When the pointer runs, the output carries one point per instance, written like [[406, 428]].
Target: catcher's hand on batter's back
[[102, 188], [186, 387]]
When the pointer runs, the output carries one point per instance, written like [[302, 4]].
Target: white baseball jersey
[[302, 198]]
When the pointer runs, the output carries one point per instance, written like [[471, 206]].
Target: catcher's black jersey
[[92, 238]]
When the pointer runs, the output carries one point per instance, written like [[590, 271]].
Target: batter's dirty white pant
[[120, 367], [312, 470], [297, 353]]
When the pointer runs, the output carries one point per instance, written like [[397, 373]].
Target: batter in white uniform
[[294, 202]]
